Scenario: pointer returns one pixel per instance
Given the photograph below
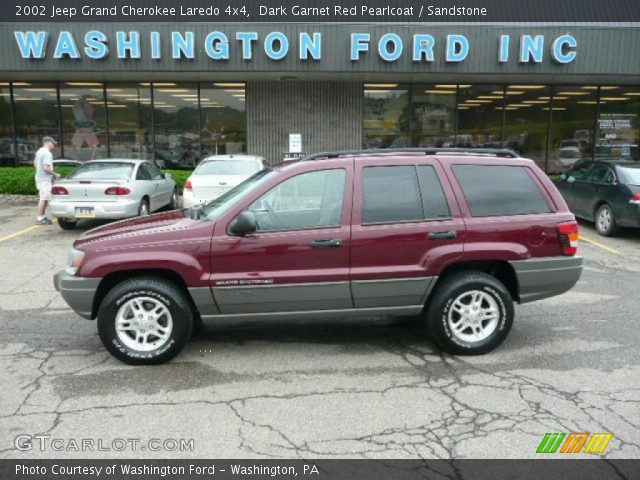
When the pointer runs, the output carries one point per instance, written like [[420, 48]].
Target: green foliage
[[21, 180], [179, 176]]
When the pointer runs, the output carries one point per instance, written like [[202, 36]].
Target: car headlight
[[74, 261]]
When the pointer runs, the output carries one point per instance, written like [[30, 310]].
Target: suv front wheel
[[145, 320], [470, 313]]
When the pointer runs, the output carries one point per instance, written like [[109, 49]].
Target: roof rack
[[496, 152]]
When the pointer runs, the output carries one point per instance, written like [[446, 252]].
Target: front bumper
[[78, 292], [106, 210], [546, 277]]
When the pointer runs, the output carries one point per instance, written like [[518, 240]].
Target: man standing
[[44, 177]]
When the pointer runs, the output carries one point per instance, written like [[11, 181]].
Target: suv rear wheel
[[470, 313], [145, 320]]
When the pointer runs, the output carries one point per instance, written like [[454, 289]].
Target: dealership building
[[175, 93]]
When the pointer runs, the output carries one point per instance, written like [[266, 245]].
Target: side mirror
[[571, 179], [244, 224], [167, 175]]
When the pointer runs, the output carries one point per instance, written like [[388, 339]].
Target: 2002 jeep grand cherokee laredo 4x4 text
[[453, 236]]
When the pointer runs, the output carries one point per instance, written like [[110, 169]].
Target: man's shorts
[[44, 190]]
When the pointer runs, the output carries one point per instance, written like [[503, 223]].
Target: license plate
[[85, 212]]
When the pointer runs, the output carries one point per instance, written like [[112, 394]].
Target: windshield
[[632, 174], [227, 167], [103, 171], [226, 201]]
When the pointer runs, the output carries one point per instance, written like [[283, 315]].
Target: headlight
[[74, 261]]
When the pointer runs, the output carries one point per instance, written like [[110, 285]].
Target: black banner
[[430, 11], [548, 469]]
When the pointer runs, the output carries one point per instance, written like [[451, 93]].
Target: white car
[[111, 189], [218, 174]]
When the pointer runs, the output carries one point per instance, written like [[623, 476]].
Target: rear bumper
[[78, 292], [189, 199], [546, 277], [110, 210]]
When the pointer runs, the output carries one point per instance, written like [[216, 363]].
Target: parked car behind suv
[[111, 189], [453, 237], [218, 174], [605, 192]]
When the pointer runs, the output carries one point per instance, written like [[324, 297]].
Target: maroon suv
[[454, 237]]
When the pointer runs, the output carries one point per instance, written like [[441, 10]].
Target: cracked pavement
[[348, 388]]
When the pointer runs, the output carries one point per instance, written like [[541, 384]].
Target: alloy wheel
[[143, 324], [473, 316]]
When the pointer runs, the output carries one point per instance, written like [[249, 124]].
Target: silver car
[[112, 189], [218, 174]]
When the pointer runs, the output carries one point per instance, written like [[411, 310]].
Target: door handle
[[326, 243], [449, 235]]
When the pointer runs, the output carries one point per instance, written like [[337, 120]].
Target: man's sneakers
[[43, 221]]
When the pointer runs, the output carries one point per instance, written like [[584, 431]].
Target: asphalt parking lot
[[348, 388]]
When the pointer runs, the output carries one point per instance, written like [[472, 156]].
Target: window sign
[[616, 134], [295, 143]]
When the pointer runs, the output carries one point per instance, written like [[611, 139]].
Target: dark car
[[455, 238], [604, 192]]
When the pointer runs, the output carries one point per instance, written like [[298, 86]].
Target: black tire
[[605, 220], [166, 294], [173, 204], [441, 304], [143, 208], [67, 224]]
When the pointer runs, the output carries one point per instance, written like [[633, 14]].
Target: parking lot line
[[20, 232], [600, 245]]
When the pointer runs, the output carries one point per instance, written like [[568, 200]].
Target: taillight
[[117, 191], [58, 190], [187, 185], [568, 236], [635, 199]]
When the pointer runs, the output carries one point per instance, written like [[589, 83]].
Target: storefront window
[[84, 120], [36, 115], [618, 126], [7, 147], [129, 109], [224, 120], [573, 114], [177, 132], [433, 109], [480, 116], [386, 116], [526, 123]]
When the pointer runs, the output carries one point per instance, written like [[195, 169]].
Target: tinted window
[[435, 203], [499, 190], [155, 172], [580, 171], [102, 171], [143, 173], [308, 200], [391, 194], [598, 174]]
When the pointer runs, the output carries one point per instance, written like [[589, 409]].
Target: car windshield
[[632, 174], [103, 171], [227, 167], [226, 201]]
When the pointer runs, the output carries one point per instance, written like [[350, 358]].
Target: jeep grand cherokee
[[453, 237]]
